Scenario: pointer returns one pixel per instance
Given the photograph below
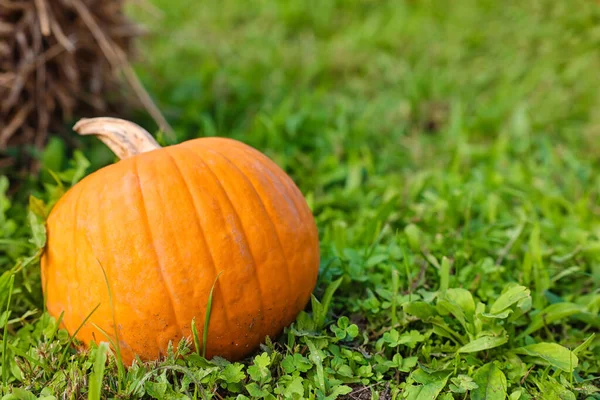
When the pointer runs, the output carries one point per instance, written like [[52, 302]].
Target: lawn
[[450, 152]]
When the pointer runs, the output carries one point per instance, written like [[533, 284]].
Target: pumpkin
[[136, 247]]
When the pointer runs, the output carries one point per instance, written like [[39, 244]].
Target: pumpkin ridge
[[293, 191], [264, 207], [149, 229], [173, 232], [272, 175], [254, 263], [201, 228]]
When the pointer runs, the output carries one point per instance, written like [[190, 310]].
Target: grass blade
[[64, 354], [5, 334], [116, 342], [583, 346], [195, 336], [445, 275], [95, 385], [326, 302], [395, 289], [207, 315]]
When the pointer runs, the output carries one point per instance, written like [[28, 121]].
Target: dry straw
[[60, 59]]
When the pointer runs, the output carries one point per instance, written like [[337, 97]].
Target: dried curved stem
[[124, 138]]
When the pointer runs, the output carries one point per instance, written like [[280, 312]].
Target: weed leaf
[[483, 343], [491, 383], [430, 388], [551, 354], [508, 298]]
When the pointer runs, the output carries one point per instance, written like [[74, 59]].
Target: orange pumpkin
[[159, 226]]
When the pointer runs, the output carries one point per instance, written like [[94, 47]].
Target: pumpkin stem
[[124, 138]]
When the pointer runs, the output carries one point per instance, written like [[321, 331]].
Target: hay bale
[[60, 59]]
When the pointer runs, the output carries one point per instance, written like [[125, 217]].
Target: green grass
[[451, 155]]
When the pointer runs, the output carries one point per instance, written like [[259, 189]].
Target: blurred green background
[[335, 78]]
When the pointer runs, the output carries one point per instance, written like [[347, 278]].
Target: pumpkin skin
[[159, 227]]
